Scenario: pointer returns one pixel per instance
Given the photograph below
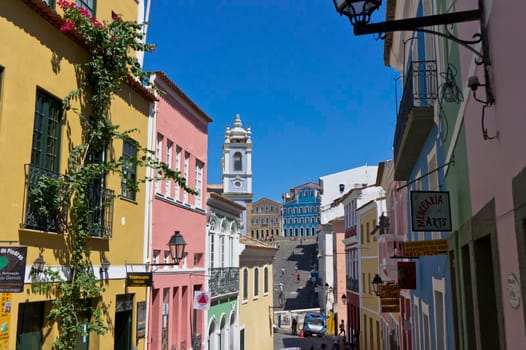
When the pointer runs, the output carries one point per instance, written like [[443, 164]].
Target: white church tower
[[237, 164]]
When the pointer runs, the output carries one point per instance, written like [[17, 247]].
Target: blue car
[[314, 323]]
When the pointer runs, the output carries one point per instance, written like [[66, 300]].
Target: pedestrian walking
[[342, 329], [298, 277], [282, 271], [294, 326]]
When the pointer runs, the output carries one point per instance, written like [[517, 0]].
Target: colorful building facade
[[256, 294], [181, 141], [370, 320], [37, 67], [224, 223], [264, 219], [300, 210]]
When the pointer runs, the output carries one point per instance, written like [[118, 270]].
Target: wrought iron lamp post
[[177, 245], [359, 13], [38, 266], [377, 280]]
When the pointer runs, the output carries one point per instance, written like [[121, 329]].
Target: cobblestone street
[[293, 257]]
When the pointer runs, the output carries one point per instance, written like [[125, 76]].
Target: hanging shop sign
[[415, 249], [389, 297], [406, 275], [139, 279], [430, 211], [12, 269], [202, 300]]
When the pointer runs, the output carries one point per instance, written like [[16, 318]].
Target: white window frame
[[168, 182], [255, 290], [186, 173], [198, 198], [416, 322], [246, 278], [439, 285], [159, 157], [178, 151], [426, 331], [266, 280], [212, 250], [222, 248]]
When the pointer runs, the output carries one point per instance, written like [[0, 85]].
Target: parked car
[[314, 323]]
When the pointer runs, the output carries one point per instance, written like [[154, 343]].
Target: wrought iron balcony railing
[[415, 116], [42, 212], [224, 280], [352, 284], [100, 204]]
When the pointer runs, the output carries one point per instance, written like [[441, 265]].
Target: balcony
[[353, 285], [100, 205], [416, 116], [39, 213], [42, 211], [223, 281]]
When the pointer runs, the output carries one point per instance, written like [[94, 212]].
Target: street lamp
[[359, 13], [38, 266], [104, 266], [177, 245], [376, 282], [344, 299]]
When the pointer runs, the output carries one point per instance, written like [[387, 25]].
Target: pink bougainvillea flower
[[67, 26], [64, 3], [115, 17], [84, 12]]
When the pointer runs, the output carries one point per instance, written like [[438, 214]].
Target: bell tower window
[[238, 165]]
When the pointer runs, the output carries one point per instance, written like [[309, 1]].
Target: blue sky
[[319, 100]]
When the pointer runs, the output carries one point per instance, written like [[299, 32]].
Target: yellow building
[[264, 219], [36, 134], [370, 318], [255, 294]]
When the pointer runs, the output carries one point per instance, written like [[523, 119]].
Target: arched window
[[212, 248], [222, 251], [212, 335], [245, 284], [265, 280], [232, 335], [256, 282], [238, 164]]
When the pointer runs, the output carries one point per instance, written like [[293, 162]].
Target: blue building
[[301, 210], [419, 160]]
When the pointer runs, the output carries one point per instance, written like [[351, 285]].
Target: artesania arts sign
[[430, 211]]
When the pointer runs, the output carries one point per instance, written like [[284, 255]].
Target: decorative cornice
[[181, 94]]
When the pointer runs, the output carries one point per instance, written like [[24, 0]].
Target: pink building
[[497, 184], [180, 141]]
